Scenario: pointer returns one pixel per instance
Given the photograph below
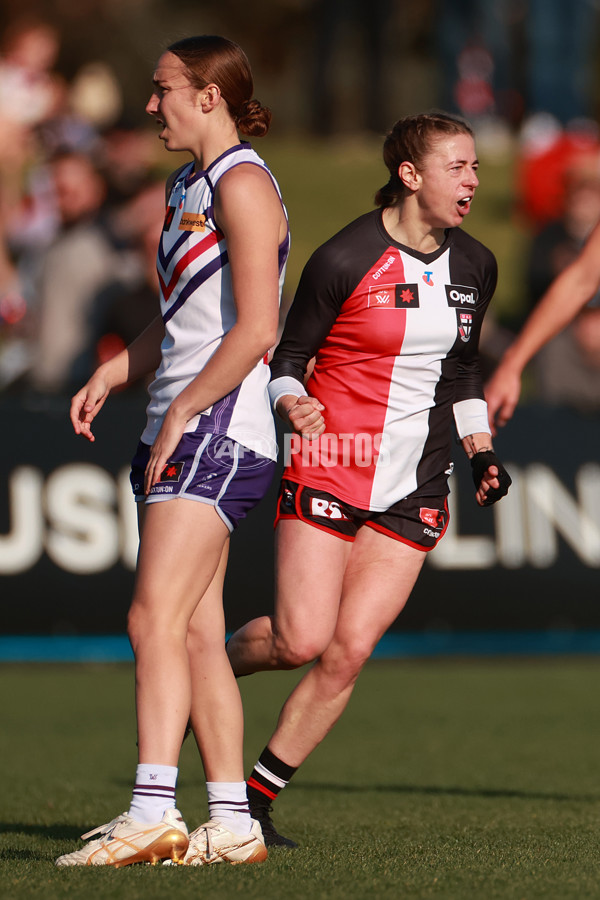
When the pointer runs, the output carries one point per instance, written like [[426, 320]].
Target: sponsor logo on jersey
[[465, 323], [382, 269], [460, 296], [433, 534], [327, 508], [407, 296], [394, 296], [192, 222], [433, 517], [427, 278], [383, 297], [171, 472], [169, 217]]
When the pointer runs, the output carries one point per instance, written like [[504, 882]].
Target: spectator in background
[[124, 310], [548, 155], [79, 263], [558, 242], [129, 160], [28, 92], [567, 296], [567, 369], [27, 83], [475, 48]]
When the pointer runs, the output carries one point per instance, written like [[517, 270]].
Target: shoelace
[[104, 829], [207, 834]]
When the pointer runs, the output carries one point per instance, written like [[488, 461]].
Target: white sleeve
[[285, 384], [471, 417]]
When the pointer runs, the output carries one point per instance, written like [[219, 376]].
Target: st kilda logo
[[465, 324]]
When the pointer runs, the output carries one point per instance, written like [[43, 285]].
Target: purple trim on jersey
[[284, 247], [284, 250], [243, 145], [195, 282], [225, 408], [191, 177], [220, 415], [165, 258]]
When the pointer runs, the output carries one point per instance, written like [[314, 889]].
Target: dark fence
[[68, 535]]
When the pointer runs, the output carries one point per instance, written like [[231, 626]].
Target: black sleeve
[[309, 321], [469, 383], [329, 278]]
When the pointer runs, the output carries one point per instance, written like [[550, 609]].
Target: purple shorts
[[210, 468]]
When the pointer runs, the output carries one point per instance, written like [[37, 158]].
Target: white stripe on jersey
[[430, 334]]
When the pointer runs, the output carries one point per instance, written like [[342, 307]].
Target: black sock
[[269, 776]]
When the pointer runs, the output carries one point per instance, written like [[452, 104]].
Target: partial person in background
[[207, 454], [28, 84], [566, 371], [123, 310], [80, 262], [566, 297], [391, 310]]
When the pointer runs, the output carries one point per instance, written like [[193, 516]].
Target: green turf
[[444, 779]]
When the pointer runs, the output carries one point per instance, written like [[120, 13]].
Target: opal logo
[[459, 295]]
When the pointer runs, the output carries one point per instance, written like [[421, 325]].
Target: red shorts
[[419, 522]]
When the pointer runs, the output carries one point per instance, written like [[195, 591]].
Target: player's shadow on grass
[[436, 790], [52, 832]]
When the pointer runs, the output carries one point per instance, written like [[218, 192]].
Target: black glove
[[480, 463]]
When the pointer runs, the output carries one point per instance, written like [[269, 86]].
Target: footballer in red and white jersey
[[395, 336]]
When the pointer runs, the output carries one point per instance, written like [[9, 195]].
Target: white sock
[[153, 793], [228, 805]]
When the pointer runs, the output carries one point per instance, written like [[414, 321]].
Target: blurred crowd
[[82, 196], [81, 208], [523, 74]]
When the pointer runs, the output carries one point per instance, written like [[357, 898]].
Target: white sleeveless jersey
[[198, 309]]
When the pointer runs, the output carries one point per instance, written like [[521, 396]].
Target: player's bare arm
[[141, 357], [566, 296]]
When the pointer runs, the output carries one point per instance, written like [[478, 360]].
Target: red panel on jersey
[[352, 379]]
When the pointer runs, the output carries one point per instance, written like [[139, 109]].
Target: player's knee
[[201, 642], [149, 626], [347, 659], [291, 653]]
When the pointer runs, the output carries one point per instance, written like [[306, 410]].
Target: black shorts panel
[[419, 522]]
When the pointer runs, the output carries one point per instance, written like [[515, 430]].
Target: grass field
[[445, 779]]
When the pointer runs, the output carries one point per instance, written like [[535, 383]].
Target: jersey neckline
[[192, 176], [424, 257]]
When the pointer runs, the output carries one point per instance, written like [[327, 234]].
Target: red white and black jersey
[[395, 338]]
